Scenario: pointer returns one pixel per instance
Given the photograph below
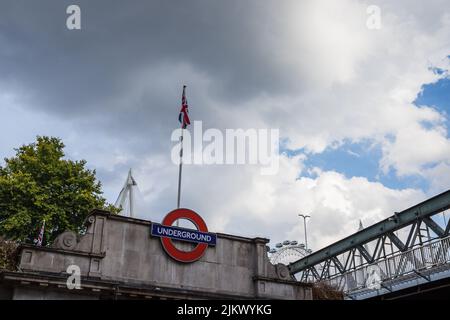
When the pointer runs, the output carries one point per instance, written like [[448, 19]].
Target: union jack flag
[[40, 238], [183, 117]]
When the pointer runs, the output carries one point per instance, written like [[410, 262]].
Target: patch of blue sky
[[362, 159], [436, 95], [359, 159]]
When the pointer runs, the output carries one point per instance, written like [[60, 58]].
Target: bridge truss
[[411, 245]]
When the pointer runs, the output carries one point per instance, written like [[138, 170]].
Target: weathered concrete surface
[[118, 254]]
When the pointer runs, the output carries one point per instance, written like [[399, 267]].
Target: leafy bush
[[323, 291]]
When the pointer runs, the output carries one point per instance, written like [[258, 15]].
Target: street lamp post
[[304, 223]]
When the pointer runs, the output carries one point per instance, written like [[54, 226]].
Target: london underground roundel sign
[[168, 233]]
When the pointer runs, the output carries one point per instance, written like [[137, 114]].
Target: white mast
[[127, 193]]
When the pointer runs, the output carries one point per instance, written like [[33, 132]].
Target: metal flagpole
[[180, 169], [181, 157]]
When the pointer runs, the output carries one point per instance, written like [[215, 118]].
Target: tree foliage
[[38, 184], [8, 254], [324, 291]]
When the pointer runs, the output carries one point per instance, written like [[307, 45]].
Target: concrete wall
[[117, 248]]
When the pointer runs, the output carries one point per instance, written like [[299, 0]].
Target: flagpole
[[180, 169]]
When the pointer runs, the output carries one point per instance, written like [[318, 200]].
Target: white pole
[[180, 169], [131, 202], [304, 224]]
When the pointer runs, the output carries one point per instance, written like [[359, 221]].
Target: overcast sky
[[362, 113]]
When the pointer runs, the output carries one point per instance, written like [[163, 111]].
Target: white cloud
[[362, 83], [241, 201]]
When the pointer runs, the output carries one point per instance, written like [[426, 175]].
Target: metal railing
[[415, 261]]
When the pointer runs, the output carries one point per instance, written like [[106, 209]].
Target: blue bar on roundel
[[183, 234]]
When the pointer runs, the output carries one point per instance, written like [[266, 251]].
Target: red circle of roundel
[[174, 252]]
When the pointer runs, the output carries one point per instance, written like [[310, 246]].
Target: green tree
[[39, 184]]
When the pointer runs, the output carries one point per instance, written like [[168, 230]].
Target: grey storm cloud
[[122, 73], [77, 73]]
